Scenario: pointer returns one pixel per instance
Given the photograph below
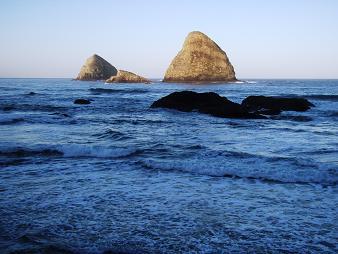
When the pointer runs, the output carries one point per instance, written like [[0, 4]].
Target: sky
[[262, 38]]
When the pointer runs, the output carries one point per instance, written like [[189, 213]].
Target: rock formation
[[200, 60], [127, 77], [207, 103], [96, 68], [275, 104]]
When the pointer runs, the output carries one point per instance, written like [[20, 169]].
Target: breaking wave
[[245, 165], [68, 150]]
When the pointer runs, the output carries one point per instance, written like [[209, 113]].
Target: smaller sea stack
[[96, 68], [127, 77]]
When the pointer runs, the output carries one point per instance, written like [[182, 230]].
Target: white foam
[[244, 82], [283, 170], [76, 150], [72, 150]]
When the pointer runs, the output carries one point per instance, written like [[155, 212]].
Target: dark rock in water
[[96, 68], [31, 93], [257, 103], [81, 101], [207, 103], [200, 60]]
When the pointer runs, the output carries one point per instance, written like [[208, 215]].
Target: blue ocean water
[[116, 175]]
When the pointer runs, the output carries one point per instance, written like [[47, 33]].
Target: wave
[[30, 107], [244, 82], [298, 118], [245, 165], [10, 119], [320, 97], [43, 118], [332, 113], [68, 150], [112, 133], [109, 91], [140, 121], [12, 162], [40, 248], [323, 97]]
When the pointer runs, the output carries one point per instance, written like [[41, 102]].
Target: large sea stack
[[96, 68], [127, 77], [200, 60]]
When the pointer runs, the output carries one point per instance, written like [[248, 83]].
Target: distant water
[[117, 175]]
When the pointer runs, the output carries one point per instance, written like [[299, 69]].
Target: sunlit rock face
[[127, 77], [96, 68], [200, 60]]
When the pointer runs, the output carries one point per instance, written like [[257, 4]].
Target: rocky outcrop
[[274, 105], [207, 103], [127, 77], [200, 60], [96, 68]]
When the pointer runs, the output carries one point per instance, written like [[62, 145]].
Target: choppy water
[[117, 175]]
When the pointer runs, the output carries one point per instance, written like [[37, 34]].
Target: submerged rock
[[82, 101], [96, 68], [207, 103], [127, 77], [276, 104], [200, 60]]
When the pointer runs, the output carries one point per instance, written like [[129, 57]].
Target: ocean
[[116, 176]]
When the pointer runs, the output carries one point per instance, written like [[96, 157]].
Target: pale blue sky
[[263, 38]]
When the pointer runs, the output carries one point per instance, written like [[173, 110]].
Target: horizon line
[[239, 79]]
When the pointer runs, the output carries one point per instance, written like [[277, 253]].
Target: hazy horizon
[[279, 39]]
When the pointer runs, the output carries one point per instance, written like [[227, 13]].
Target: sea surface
[[118, 176]]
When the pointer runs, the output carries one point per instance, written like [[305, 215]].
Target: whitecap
[[67, 150], [76, 150], [243, 165]]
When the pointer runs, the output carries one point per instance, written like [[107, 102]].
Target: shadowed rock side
[[127, 77], [275, 104], [207, 103], [200, 60], [96, 68]]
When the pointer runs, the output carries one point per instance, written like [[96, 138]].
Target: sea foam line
[[67, 150], [242, 165]]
